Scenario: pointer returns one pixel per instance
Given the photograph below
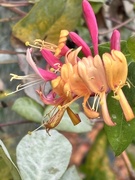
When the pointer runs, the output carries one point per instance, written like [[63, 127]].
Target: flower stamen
[[25, 85], [41, 44]]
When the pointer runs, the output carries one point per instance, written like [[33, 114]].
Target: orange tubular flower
[[78, 86], [91, 71], [70, 87], [77, 78], [116, 73]]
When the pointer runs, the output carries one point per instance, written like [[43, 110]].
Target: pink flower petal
[[49, 98], [80, 42], [46, 75], [115, 40], [50, 58], [105, 113], [31, 62], [91, 23], [64, 50]]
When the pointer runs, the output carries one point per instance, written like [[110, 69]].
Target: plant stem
[[128, 165], [14, 123]]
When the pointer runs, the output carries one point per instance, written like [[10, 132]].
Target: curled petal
[[46, 75], [72, 56], [74, 117], [116, 69], [106, 117], [31, 62], [50, 58], [49, 99], [128, 113], [55, 120], [90, 113], [91, 23], [80, 42], [115, 40]]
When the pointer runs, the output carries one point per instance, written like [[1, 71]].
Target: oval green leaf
[[10, 164], [121, 135], [131, 46], [29, 109], [46, 19], [40, 156]]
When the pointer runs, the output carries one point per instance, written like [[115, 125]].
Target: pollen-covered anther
[[52, 70], [127, 83], [41, 44], [27, 43], [117, 97], [14, 76], [59, 107]]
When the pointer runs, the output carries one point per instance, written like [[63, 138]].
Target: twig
[[14, 123], [14, 9], [11, 52], [17, 11], [128, 165], [117, 27], [14, 4], [9, 19], [118, 22]]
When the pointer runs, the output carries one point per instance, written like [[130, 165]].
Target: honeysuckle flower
[[92, 72], [91, 69], [116, 72], [42, 75], [116, 69], [86, 77]]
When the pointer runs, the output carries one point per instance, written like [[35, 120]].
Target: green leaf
[[71, 173], [130, 92], [40, 156], [47, 18], [96, 6], [131, 46], [29, 109], [4, 171], [66, 124], [121, 135], [7, 159], [97, 162]]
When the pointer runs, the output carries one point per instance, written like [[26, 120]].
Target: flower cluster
[[89, 76]]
